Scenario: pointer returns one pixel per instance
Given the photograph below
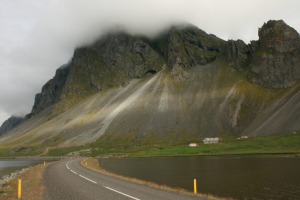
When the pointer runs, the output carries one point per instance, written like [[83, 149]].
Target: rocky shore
[[32, 183], [13, 175]]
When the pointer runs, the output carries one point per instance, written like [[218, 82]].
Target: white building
[[215, 140], [193, 145], [243, 138]]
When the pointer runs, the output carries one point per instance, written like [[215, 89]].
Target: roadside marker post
[[195, 186], [44, 163], [19, 188]]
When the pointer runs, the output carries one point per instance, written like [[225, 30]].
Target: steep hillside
[[281, 117], [183, 85]]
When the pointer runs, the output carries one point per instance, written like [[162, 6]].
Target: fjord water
[[238, 177], [9, 166]]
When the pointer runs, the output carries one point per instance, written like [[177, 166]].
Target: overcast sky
[[38, 36]]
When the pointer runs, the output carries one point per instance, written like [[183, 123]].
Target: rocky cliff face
[[118, 57], [193, 46], [112, 61], [51, 91], [274, 60], [239, 53], [10, 124]]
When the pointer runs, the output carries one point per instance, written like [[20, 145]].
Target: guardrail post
[[19, 188], [195, 186]]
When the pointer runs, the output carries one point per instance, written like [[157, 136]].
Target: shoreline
[[13, 175], [129, 155], [202, 155]]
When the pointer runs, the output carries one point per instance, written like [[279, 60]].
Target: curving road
[[69, 180]]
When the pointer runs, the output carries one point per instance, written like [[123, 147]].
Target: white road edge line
[[73, 171], [88, 179], [121, 193]]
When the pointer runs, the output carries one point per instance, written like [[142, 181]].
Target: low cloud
[[38, 36]]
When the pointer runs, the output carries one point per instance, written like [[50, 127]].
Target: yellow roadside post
[[19, 188], [44, 163], [195, 186]]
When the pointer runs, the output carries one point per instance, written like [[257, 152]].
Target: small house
[[215, 140], [193, 144], [243, 137]]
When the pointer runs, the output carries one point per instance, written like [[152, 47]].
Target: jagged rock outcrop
[[274, 60], [178, 72], [238, 53], [51, 91], [10, 124], [193, 46]]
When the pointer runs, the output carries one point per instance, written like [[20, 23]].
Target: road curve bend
[[68, 180]]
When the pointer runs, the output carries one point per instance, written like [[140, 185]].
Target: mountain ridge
[[233, 81]]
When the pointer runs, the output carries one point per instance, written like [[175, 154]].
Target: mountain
[[180, 86], [10, 124]]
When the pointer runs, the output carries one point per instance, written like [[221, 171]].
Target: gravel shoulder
[[32, 184]]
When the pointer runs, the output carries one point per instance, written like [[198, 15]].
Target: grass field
[[276, 144], [259, 145]]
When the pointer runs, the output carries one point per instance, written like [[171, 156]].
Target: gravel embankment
[[32, 184]]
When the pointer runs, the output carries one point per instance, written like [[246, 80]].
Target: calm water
[[236, 177], [9, 166]]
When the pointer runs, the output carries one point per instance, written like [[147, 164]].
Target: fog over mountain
[[39, 36]]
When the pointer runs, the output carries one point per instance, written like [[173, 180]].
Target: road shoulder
[[32, 184]]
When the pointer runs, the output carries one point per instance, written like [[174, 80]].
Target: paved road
[[69, 180]]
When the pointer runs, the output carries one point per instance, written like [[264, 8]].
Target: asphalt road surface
[[69, 180]]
